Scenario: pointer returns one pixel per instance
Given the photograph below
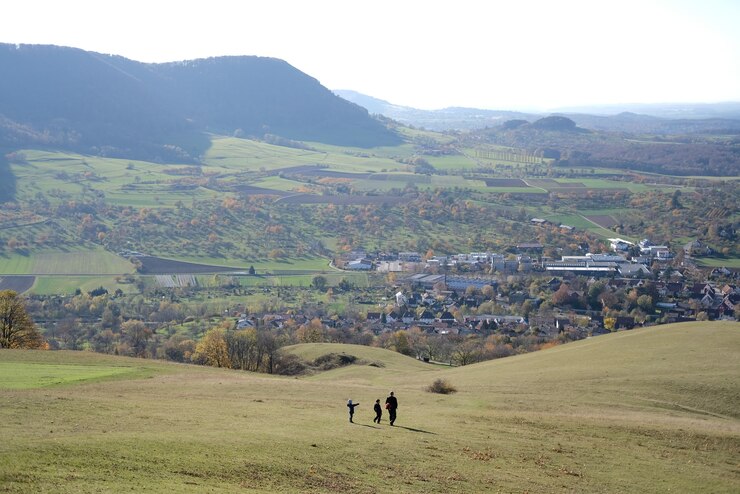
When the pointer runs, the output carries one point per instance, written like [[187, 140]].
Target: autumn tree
[[17, 329], [137, 335], [311, 332], [242, 348], [563, 296], [467, 351], [212, 349], [401, 342], [319, 282]]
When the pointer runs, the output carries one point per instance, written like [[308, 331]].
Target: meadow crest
[[653, 410]]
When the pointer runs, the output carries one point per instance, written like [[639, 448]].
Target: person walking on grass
[[351, 407], [378, 411], [391, 403]]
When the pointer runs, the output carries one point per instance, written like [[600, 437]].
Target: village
[[526, 293]]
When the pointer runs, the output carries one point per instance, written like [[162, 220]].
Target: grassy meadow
[[79, 261], [650, 410]]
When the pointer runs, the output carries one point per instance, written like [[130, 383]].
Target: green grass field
[[30, 375], [581, 223], [66, 284], [652, 410], [718, 262], [79, 261]]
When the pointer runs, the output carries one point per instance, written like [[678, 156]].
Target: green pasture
[[452, 162], [426, 135], [360, 161], [247, 155], [614, 212], [652, 410], [286, 280], [389, 154], [575, 220], [61, 284], [513, 190], [78, 261], [602, 183], [718, 262], [266, 266], [122, 182], [24, 375], [581, 223], [278, 183], [332, 278], [385, 185], [389, 364]]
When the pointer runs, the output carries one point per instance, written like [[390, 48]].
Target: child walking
[[351, 407], [378, 411]]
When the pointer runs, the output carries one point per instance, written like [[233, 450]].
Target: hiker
[[378, 411], [391, 404], [351, 407]]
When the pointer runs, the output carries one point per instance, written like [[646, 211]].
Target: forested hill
[[71, 98]]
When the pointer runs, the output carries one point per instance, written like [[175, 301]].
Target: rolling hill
[[650, 410], [108, 105]]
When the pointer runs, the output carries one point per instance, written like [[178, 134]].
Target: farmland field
[[603, 220], [341, 199], [646, 411], [68, 284], [158, 265], [505, 182], [308, 264], [718, 262], [78, 261], [18, 284]]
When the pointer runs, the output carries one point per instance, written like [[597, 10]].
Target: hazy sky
[[500, 54]]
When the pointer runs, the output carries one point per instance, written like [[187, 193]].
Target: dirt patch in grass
[[157, 265], [251, 190], [342, 200], [18, 284], [505, 182], [603, 220]]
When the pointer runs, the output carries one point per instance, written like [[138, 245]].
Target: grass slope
[[651, 410]]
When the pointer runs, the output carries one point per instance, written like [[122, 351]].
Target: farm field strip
[[603, 220], [18, 284], [72, 262], [68, 284]]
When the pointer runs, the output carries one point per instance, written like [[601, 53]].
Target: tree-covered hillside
[[109, 105]]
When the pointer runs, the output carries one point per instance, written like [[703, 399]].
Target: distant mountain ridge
[[659, 119], [71, 98], [453, 118]]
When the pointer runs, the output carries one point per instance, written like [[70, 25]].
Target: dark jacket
[[392, 403]]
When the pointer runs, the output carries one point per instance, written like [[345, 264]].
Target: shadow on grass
[[414, 430], [366, 425]]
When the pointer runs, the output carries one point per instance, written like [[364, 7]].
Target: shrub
[[441, 386], [290, 365], [333, 360]]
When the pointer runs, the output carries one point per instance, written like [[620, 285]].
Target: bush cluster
[[441, 386]]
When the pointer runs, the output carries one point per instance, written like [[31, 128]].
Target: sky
[[429, 54]]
